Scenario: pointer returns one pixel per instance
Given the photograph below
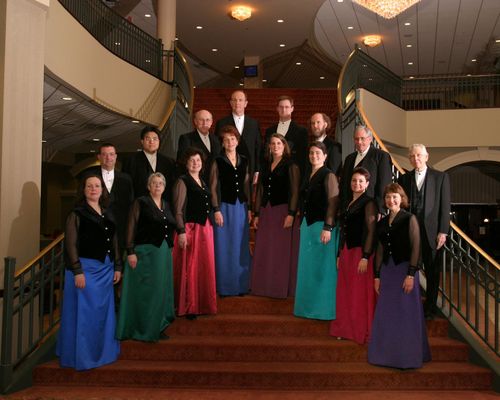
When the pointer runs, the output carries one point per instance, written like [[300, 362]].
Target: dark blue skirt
[[399, 335], [87, 334], [232, 252]]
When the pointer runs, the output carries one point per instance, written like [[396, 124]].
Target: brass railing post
[[8, 307]]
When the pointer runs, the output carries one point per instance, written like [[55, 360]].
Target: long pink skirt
[[355, 298], [194, 271]]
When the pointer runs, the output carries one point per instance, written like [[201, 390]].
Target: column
[[22, 48]]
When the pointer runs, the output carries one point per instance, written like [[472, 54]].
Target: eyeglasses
[[151, 139]]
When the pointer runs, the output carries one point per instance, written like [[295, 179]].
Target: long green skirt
[[147, 299], [316, 273]]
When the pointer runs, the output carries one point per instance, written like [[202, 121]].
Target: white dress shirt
[[283, 127], [206, 140], [108, 177], [360, 156], [420, 177], [152, 160], [239, 122]]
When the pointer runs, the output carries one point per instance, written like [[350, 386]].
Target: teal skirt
[[147, 299], [316, 273]]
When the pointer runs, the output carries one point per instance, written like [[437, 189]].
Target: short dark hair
[[319, 145], [190, 152], [107, 144], [80, 197], [149, 128], [229, 130], [361, 171], [396, 188], [285, 97]]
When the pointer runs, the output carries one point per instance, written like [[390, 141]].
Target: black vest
[[395, 239], [276, 184], [417, 199], [314, 197], [197, 206], [232, 179], [352, 222], [95, 234]]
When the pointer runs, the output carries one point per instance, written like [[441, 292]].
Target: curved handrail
[[341, 80], [189, 76]]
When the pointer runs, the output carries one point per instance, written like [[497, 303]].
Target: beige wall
[[82, 62], [449, 129]]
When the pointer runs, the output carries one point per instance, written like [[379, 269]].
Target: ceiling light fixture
[[386, 8], [280, 21], [412, 77], [473, 60], [214, 50], [350, 28], [199, 27], [134, 121], [236, 67], [372, 40], [409, 45], [407, 23], [497, 40], [298, 63], [410, 63], [67, 98], [282, 45], [147, 15], [241, 13], [321, 77]]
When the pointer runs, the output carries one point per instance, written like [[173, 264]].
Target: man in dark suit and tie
[[149, 160], [320, 125], [376, 161], [119, 187], [248, 128], [202, 139], [429, 193], [295, 135]]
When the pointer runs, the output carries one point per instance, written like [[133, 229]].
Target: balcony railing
[[118, 35]]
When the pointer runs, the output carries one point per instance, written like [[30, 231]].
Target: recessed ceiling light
[[298, 63], [497, 41], [96, 139], [264, 80], [282, 45], [44, 141], [117, 43], [176, 38], [147, 15], [322, 77], [199, 27], [134, 121], [340, 1], [280, 21], [214, 50], [350, 27], [407, 23], [473, 60], [67, 98], [92, 151], [409, 45], [412, 77], [469, 75], [410, 63], [148, 61], [241, 84], [236, 67], [364, 65]]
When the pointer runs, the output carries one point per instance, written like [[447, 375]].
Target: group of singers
[[348, 253]]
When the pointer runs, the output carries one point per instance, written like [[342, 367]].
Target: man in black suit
[[119, 187], [376, 161], [295, 135], [202, 139], [143, 163], [429, 193], [320, 125], [248, 128]]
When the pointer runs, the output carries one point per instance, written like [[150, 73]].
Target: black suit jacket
[[436, 202], [378, 164], [249, 145], [120, 200], [334, 159], [139, 169], [296, 138], [192, 139]]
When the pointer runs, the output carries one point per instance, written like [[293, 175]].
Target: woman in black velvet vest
[[194, 262], [93, 264]]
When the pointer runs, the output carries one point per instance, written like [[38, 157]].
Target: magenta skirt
[[194, 271]]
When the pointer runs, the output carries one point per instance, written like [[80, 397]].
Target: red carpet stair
[[255, 343]]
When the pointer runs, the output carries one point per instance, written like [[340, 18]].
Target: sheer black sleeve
[[246, 187], [332, 193], [71, 244], [371, 211], [180, 194], [214, 184], [293, 193], [378, 260], [414, 233], [118, 263], [258, 195], [133, 217]]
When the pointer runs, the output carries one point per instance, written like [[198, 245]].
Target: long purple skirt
[[399, 336], [274, 267]]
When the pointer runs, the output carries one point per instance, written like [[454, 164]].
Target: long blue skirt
[[316, 273], [399, 336], [87, 334], [232, 253]]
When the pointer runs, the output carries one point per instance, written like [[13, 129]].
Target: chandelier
[[386, 8], [241, 13]]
